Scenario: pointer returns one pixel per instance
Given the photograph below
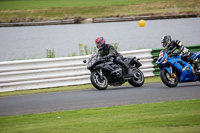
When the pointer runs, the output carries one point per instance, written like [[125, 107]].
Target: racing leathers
[[176, 47], [109, 51]]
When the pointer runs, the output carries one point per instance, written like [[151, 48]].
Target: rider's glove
[[176, 52], [105, 57], [100, 58], [169, 52]]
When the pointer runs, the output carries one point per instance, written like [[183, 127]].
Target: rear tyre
[[97, 82], [167, 79], [137, 79]]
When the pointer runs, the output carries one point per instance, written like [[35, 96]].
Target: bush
[[85, 50], [78, 20], [50, 53]]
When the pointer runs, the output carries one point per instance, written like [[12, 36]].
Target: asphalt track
[[92, 98]]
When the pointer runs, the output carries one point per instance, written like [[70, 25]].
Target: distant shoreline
[[102, 20]]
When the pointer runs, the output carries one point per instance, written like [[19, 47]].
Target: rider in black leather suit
[[107, 51]]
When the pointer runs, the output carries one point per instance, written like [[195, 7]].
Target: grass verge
[[43, 10], [66, 88], [165, 117]]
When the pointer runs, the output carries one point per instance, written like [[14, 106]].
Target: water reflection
[[32, 42]]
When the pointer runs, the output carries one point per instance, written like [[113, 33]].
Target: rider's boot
[[197, 65], [129, 72], [193, 71], [197, 68]]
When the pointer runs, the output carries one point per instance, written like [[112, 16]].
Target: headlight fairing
[[91, 62], [164, 61]]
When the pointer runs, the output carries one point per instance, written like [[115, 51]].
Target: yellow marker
[[141, 23]]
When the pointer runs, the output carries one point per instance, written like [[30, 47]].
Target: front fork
[[101, 74], [171, 71], [172, 75]]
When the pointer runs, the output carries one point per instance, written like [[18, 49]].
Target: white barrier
[[64, 71]]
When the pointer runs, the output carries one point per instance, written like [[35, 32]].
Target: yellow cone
[[141, 23]]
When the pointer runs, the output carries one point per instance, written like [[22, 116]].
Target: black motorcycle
[[105, 72]]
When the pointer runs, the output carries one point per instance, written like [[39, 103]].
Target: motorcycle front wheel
[[167, 79], [100, 83], [137, 79]]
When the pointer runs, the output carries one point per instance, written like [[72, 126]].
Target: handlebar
[[170, 54]]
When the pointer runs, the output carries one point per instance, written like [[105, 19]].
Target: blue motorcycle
[[174, 70]]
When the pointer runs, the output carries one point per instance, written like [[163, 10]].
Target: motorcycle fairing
[[132, 61], [184, 69], [108, 66]]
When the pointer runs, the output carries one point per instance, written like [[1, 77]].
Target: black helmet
[[166, 40]]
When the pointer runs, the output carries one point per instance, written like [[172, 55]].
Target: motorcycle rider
[[109, 51], [176, 47]]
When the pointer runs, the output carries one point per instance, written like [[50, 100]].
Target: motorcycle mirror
[[155, 58], [84, 61]]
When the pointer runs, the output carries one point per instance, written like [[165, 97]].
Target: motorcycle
[[174, 70], [105, 72]]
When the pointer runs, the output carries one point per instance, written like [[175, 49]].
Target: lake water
[[33, 41]]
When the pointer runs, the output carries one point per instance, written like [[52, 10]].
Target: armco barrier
[[155, 53], [64, 71]]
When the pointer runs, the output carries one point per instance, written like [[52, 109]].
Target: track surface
[[92, 98]]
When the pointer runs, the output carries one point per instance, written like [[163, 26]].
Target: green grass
[[164, 117], [40, 4], [41, 10], [66, 88]]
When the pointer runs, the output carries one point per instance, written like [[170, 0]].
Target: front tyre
[[137, 79], [98, 82], [167, 79]]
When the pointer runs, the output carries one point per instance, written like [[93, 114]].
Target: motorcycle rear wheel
[[137, 79], [99, 84], [167, 80]]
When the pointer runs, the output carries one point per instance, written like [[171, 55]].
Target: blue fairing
[[183, 69]]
